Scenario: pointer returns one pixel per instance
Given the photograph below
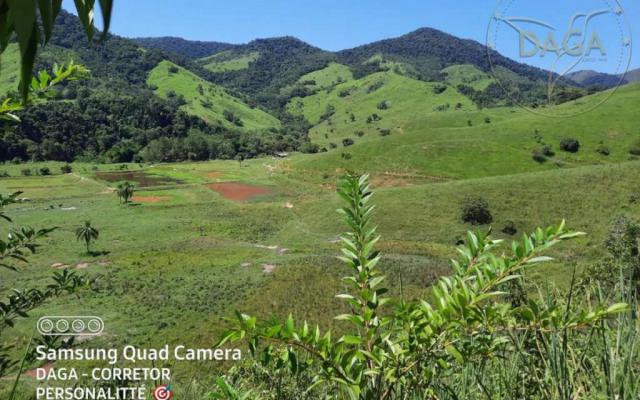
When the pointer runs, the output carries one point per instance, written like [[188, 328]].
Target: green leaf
[[618, 308], [106, 7], [22, 14], [350, 339], [47, 16], [453, 352]]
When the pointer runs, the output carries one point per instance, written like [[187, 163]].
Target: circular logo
[[564, 45], [162, 392], [62, 326], [45, 326]]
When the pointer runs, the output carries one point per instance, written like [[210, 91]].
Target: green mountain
[[168, 99], [191, 49], [207, 100]]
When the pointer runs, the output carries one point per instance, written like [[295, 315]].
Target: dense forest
[[115, 117], [192, 49]]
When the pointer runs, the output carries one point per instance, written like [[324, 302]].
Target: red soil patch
[[238, 191], [149, 199], [32, 373]]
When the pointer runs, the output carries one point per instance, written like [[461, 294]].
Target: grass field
[[206, 99], [352, 106]]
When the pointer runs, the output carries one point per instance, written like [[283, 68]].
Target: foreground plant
[[17, 303], [423, 349], [87, 233]]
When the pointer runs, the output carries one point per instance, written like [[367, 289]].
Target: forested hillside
[[192, 49], [115, 116], [173, 99]]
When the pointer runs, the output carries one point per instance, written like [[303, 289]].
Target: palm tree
[[125, 192], [87, 233]]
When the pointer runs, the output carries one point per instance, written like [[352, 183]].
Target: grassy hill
[[207, 100], [499, 141], [228, 61], [467, 75], [374, 104], [332, 75]]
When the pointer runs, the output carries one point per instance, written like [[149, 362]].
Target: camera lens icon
[[70, 326], [45, 326]]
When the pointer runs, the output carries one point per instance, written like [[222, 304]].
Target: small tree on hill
[[125, 192], [87, 234], [475, 210], [570, 145]]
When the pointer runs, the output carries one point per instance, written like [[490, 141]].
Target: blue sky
[[333, 24]]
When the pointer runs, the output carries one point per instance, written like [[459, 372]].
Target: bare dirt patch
[[32, 373], [268, 268], [237, 191], [213, 174], [149, 199]]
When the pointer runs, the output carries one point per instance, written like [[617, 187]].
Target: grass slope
[[433, 149], [333, 74], [207, 100], [469, 75], [354, 102], [226, 61]]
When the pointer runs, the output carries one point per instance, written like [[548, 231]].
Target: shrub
[[66, 169], [347, 142], [375, 86], [333, 145], [45, 171], [487, 120], [383, 105], [635, 149], [510, 228], [360, 133], [173, 69], [26, 172], [309, 148], [570, 145], [603, 150], [538, 156], [344, 93], [385, 132], [329, 111], [548, 151], [233, 118], [438, 89], [475, 211], [373, 118], [346, 156]]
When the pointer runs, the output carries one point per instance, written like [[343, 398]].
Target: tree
[[87, 234], [570, 145], [28, 20], [475, 210], [125, 192]]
